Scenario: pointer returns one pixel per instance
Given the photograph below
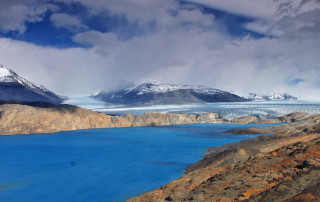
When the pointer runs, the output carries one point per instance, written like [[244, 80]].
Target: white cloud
[[141, 11], [171, 56], [96, 38], [62, 20], [251, 8], [15, 14], [186, 47], [72, 70], [276, 18]]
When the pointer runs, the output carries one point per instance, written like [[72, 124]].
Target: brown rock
[[209, 118], [245, 120], [22, 119], [284, 119], [161, 119], [310, 124], [150, 119], [129, 118]]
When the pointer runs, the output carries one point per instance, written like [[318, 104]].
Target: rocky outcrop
[[23, 119], [158, 118], [309, 124], [256, 120], [284, 119], [282, 167], [311, 193], [245, 120]]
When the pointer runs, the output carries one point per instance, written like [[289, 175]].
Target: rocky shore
[[281, 167], [24, 119]]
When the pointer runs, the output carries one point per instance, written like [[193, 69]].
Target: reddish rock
[[245, 120], [22, 119]]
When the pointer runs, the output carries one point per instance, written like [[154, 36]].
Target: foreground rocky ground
[[281, 167]]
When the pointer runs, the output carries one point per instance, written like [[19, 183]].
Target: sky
[[84, 46]]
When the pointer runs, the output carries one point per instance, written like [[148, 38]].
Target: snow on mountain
[[155, 93], [164, 88], [14, 87], [4, 72], [270, 96], [8, 76]]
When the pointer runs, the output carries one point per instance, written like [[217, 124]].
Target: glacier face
[[228, 110], [263, 109]]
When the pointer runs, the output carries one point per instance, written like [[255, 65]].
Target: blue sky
[[45, 33], [83, 46]]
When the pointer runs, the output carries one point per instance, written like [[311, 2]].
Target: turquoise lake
[[102, 164]]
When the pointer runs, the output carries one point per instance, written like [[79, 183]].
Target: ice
[[228, 110], [85, 101]]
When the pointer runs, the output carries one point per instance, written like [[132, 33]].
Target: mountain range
[[270, 96], [162, 94], [16, 89]]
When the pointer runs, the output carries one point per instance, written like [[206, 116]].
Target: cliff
[[23, 119], [282, 167]]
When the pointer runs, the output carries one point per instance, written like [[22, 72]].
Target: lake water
[[102, 164]]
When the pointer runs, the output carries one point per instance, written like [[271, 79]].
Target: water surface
[[102, 164]]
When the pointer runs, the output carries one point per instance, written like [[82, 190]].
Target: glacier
[[228, 110]]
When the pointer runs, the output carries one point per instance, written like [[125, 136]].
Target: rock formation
[[256, 120], [245, 120], [309, 124], [284, 119], [23, 119]]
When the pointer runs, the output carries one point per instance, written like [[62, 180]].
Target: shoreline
[[50, 119], [242, 170]]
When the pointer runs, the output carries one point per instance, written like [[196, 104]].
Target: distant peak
[[150, 81], [4, 71]]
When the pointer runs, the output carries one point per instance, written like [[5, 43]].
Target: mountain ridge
[[16, 88], [162, 94], [270, 96]]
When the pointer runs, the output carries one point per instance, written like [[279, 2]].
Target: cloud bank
[[176, 43]]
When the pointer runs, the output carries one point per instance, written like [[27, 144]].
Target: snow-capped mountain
[[270, 96], [160, 94], [15, 88]]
